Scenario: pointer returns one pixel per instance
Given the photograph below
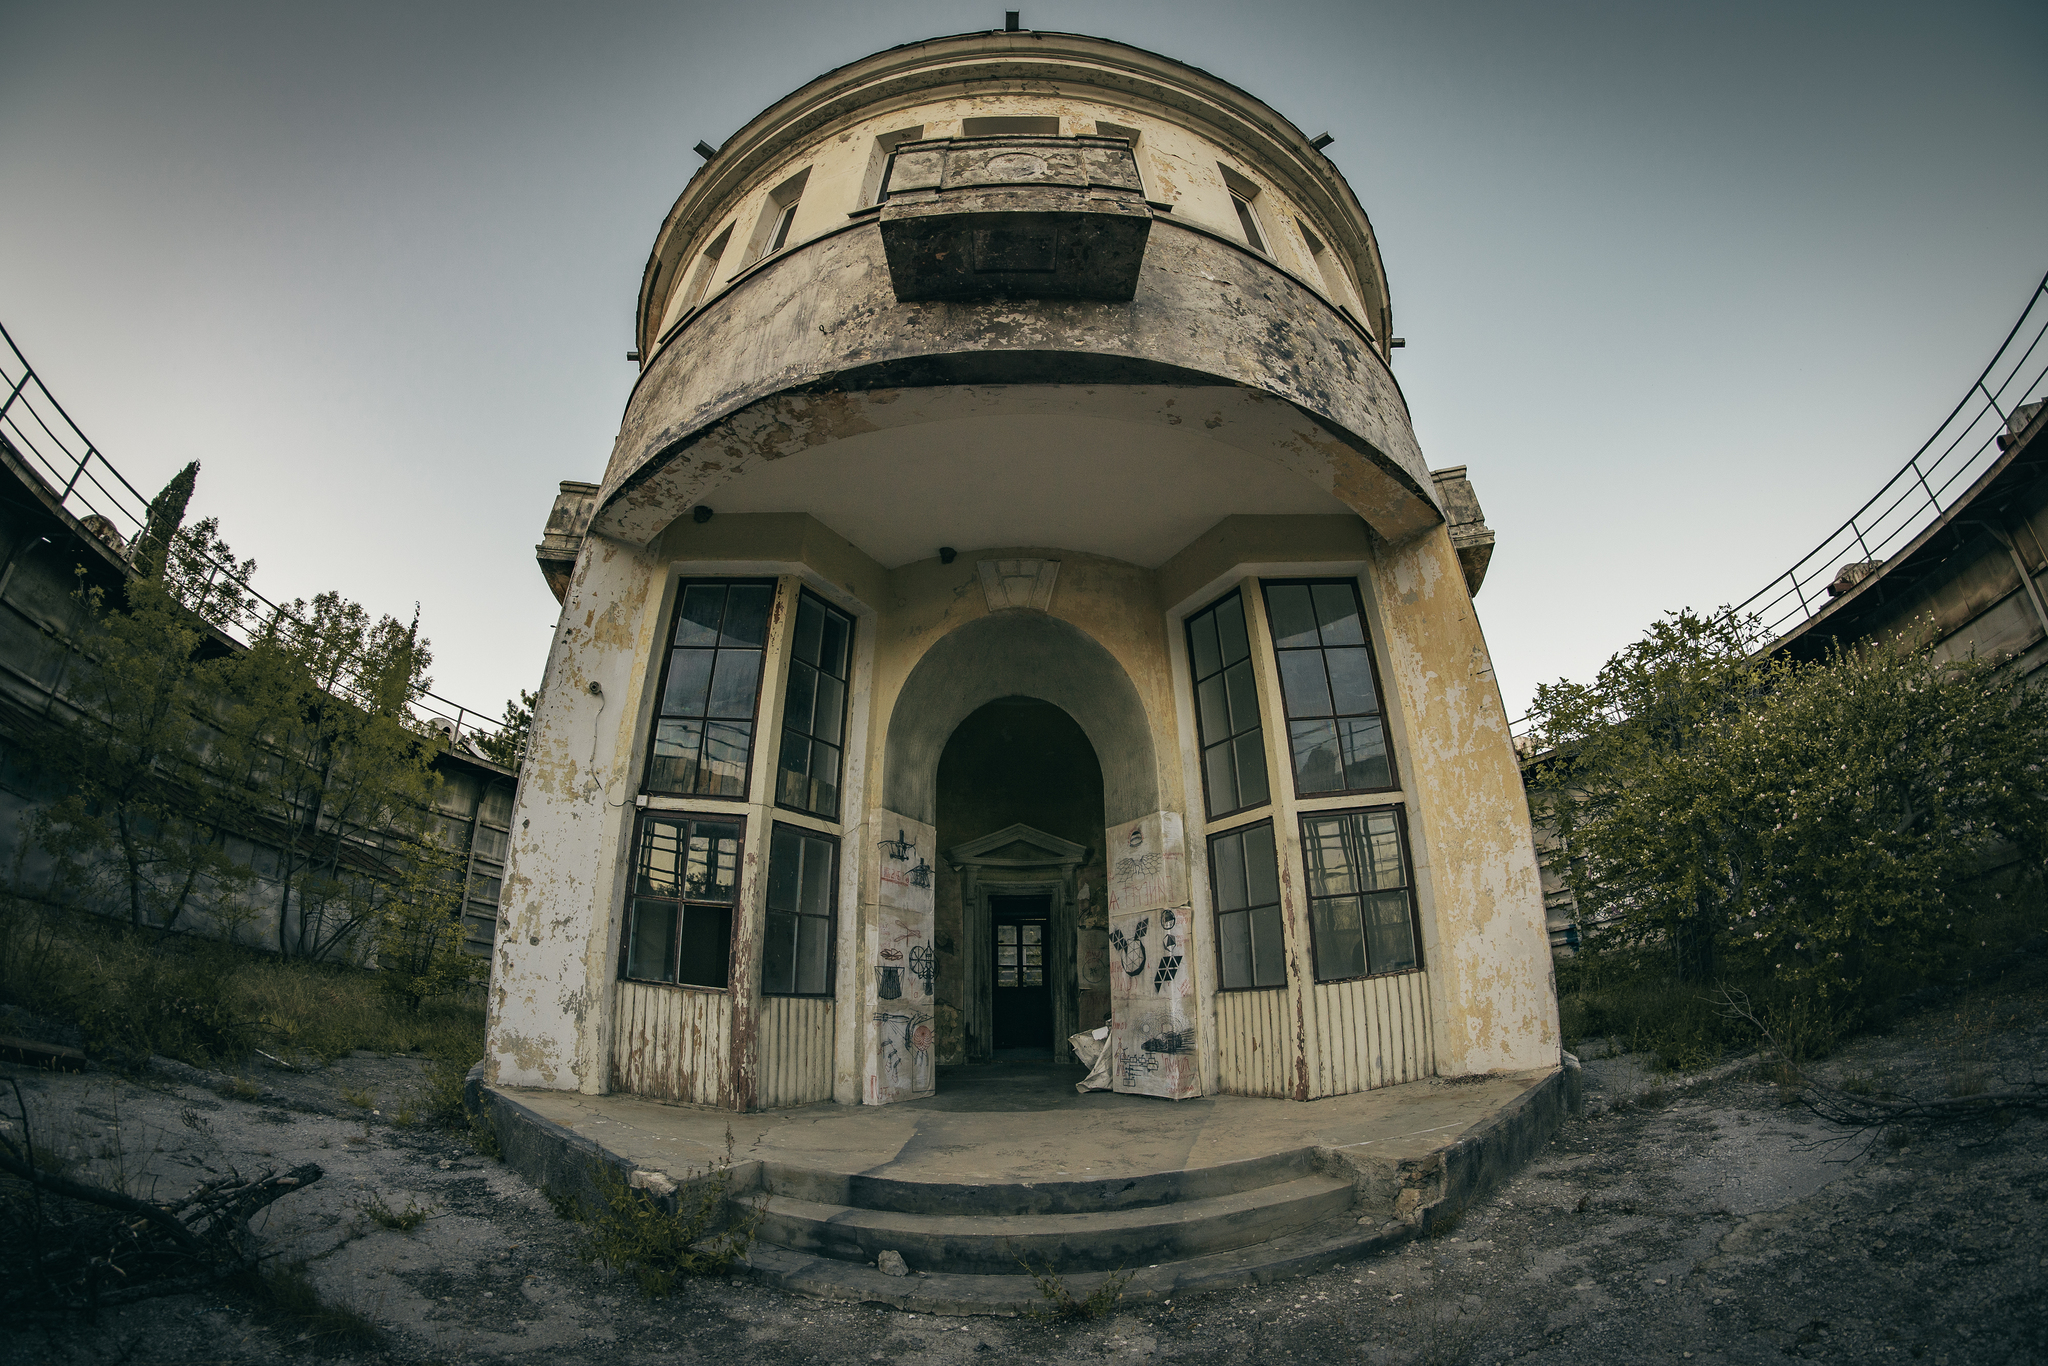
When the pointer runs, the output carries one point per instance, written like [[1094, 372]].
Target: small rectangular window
[[1361, 896], [878, 161], [1244, 875], [703, 737], [1329, 684], [1227, 708], [679, 919], [778, 216], [1243, 194], [803, 891], [1335, 283], [707, 269], [1011, 125], [1132, 136], [814, 709]]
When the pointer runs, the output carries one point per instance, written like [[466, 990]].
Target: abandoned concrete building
[[1016, 603]]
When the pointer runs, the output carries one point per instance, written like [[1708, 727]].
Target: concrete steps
[[1299, 1253], [821, 1233]]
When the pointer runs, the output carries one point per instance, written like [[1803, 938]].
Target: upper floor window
[[778, 215], [1227, 708], [707, 269], [1245, 876], [814, 710], [1336, 732], [803, 888], [710, 686], [685, 876], [1243, 194], [878, 161], [1361, 895]]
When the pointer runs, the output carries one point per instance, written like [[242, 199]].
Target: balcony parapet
[[1014, 217]]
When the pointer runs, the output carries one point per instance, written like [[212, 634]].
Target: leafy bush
[[1801, 828]]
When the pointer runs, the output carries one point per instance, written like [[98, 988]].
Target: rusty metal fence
[[88, 486]]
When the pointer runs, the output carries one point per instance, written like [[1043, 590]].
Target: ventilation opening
[[1012, 125]]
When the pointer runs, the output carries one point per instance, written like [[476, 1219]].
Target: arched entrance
[[1020, 884]]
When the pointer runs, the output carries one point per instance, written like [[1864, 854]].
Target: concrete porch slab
[[1015, 1139]]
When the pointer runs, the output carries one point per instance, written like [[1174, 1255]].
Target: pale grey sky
[[1681, 284]]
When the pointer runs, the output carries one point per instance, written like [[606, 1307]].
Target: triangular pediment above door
[[1018, 846]]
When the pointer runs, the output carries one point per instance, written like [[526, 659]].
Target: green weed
[[1063, 1306], [362, 1098], [398, 1220], [631, 1230]]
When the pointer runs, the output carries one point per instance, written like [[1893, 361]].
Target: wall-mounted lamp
[[947, 554], [633, 356], [1010, 21], [1320, 141], [921, 876], [596, 688], [705, 150], [700, 514], [898, 849], [1396, 343]]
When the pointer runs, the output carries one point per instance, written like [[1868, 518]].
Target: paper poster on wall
[[1147, 864], [899, 992], [1152, 1032]]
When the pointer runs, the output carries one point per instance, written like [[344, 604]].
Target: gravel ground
[[1710, 1219]]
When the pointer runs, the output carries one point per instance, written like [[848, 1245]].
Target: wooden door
[[1020, 973]]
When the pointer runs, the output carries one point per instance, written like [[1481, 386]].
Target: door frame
[[995, 865]]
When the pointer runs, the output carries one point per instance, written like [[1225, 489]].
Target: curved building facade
[[1016, 604]]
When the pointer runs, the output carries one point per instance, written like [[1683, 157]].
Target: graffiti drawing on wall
[[1146, 865], [1130, 949], [1169, 950], [1153, 1033], [904, 966], [904, 1050]]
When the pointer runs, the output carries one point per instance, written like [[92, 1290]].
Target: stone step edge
[[995, 1229], [1177, 1212], [903, 1195], [953, 1294]]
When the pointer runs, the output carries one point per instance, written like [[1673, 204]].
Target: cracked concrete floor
[[1709, 1221]]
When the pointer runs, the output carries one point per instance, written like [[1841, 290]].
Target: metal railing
[[88, 486], [1932, 479]]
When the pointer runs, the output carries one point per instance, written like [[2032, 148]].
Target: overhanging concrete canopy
[[814, 346]]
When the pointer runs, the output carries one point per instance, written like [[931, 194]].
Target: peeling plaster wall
[[1494, 998], [551, 994]]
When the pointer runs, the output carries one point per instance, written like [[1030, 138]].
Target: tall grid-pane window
[[1246, 879], [1336, 732], [814, 710], [710, 685], [1227, 708], [803, 886], [1361, 905], [679, 926]]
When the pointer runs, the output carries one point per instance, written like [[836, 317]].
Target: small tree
[[419, 939], [508, 746], [166, 515], [142, 815], [325, 742]]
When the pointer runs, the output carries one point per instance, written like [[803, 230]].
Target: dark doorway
[[1021, 934], [1015, 761]]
